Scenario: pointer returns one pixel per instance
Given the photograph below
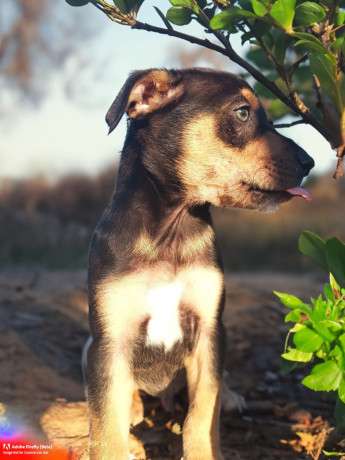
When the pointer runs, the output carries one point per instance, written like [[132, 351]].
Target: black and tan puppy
[[195, 137]]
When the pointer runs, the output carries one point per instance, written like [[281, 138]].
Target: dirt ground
[[43, 325]]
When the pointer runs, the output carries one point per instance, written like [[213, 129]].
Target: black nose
[[306, 162]]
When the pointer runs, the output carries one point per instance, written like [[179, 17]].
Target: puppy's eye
[[242, 113]]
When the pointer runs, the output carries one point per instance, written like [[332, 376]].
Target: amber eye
[[242, 113]]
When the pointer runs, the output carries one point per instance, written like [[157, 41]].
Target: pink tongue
[[299, 191]]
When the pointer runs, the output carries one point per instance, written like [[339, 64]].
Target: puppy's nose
[[306, 162]]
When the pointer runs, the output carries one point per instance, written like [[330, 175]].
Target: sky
[[65, 134]]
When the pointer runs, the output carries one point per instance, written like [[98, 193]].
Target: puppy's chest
[[176, 309], [163, 314]]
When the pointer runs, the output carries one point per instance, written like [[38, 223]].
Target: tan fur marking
[[144, 248], [149, 250], [124, 301], [251, 98], [112, 430], [207, 165], [213, 171], [121, 303], [204, 287], [201, 428], [196, 245], [273, 165]]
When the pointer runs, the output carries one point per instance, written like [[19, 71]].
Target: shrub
[[318, 335]]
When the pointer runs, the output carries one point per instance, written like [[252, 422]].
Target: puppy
[[195, 137]]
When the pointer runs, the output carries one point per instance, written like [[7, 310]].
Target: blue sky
[[67, 134]]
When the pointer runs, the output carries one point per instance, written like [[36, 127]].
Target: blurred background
[[60, 69]]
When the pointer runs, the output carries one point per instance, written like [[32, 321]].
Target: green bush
[[318, 335]]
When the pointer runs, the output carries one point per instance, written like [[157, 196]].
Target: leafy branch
[[298, 51]]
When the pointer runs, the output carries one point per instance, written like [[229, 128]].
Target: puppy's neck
[[153, 223]]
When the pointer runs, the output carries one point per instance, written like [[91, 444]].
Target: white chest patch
[[163, 307]]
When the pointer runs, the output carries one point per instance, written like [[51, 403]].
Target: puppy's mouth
[[299, 191], [284, 195]]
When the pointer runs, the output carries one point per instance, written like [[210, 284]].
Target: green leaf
[[341, 362], [335, 255], [339, 19], [313, 246], [136, 4], [297, 327], [289, 300], [259, 29], [337, 44], [77, 2], [334, 313], [335, 287], [320, 309], [189, 4], [259, 7], [329, 294], [339, 454], [277, 109], [324, 377], [245, 4], [281, 43], [179, 15], [308, 13], [287, 366], [321, 354], [324, 67], [311, 46], [337, 351], [307, 340], [322, 329], [341, 340], [294, 315], [309, 42], [262, 91], [334, 326], [341, 389], [128, 6], [305, 36], [297, 355], [341, 84], [259, 57], [283, 12], [182, 3], [123, 6], [227, 18]]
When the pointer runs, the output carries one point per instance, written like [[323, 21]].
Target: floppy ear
[[144, 92]]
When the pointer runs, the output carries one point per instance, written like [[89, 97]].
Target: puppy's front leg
[[109, 391], [201, 439]]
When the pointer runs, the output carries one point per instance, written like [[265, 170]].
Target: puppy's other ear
[[144, 92]]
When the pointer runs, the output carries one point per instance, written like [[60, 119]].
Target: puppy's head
[[205, 134]]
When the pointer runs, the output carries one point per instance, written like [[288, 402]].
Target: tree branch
[[341, 149], [228, 51], [292, 101], [340, 164]]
